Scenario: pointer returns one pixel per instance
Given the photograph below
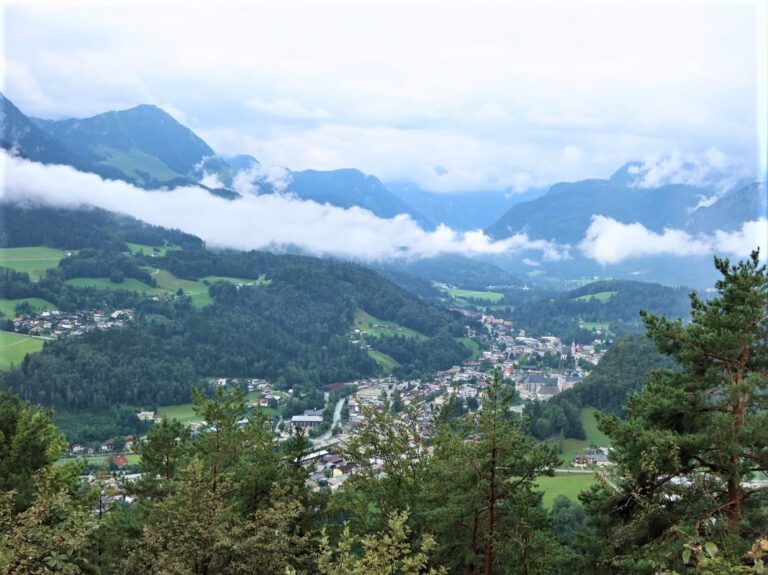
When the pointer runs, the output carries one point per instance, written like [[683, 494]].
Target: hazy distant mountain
[[732, 210], [460, 211], [564, 213], [350, 187], [144, 143], [19, 133]]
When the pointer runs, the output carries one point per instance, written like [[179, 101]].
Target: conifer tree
[[695, 436]]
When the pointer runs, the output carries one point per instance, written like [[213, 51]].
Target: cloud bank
[[256, 221], [608, 241]]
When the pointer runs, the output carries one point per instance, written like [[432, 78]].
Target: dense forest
[[614, 302]]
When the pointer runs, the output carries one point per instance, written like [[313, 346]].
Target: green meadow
[[14, 346], [35, 261], [365, 322], [8, 306], [491, 296], [601, 296]]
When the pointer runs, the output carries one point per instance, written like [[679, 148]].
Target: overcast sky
[[451, 97]]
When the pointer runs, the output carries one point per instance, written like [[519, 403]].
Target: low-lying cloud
[[256, 221], [610, 242]]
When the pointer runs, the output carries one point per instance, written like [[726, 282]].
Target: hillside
[[610, 305], [291, 326]]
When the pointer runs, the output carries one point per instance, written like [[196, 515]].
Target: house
[[146, 416], [307, 421]]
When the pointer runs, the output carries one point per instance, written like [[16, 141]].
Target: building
[[307, 421]]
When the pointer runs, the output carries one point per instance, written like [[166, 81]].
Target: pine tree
[[695, 435]]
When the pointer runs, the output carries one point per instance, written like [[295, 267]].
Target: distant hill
[[610, 305], [456, 270], [733, 209]]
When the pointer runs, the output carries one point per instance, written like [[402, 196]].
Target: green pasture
[[365, 322], [473, 346], [568, 484], [570, 447], [384, 360], [33, 260], [8, 306], [491, 296], [602, 296], [14, 346]]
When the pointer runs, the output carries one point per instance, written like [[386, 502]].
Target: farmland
[[14, 346], [34, 260]]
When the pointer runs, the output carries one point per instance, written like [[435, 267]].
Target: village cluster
[[511, 352], [54, 323]]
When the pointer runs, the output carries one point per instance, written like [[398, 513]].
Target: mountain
[[347, 188], [565, 212], [460, 211], [144, 143], [20, 134], [730, 211]]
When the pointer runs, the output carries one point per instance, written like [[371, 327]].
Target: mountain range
[[147, 147]]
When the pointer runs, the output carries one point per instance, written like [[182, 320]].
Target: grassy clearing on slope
[[134, 161], [601, 296], [34, 260], [14, 346], [8, 306], [473, 346], [384, 360], [185, 412], [568, 484], [99, 460], [375, 327], [491, 296]]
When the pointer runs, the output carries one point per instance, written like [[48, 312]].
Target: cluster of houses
[[53, 323], [592, 457]]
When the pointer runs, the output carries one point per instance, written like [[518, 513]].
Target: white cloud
[[710, 169], [609, 241], [256, 221], [287, 108]]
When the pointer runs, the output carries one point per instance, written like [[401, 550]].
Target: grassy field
[[130, 284], [601, 296], [8, 306], [34, 261], [385, 361], [365, 322], [568, 484], [571, 447], [14, 346], [594, 325], [491, 296], [185, 412], [473, 346]]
